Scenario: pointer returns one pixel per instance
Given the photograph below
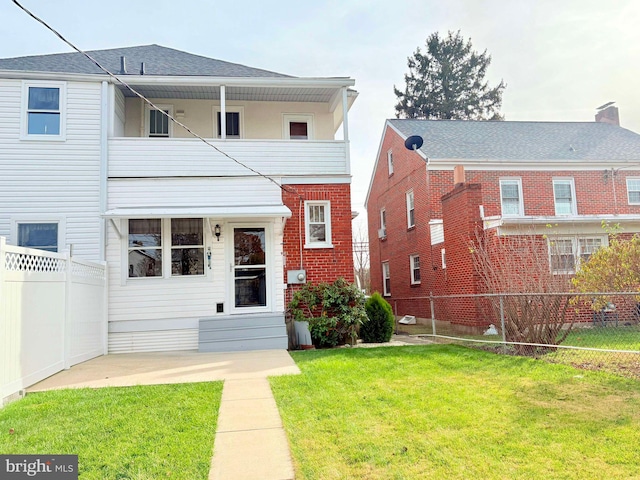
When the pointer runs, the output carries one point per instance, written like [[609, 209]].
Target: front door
[[250, 281]]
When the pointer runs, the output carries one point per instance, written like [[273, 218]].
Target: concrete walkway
[[250, 441]]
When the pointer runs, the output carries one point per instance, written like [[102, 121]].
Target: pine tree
[[447, 82]]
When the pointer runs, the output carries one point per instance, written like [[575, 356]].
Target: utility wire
[[150, 103]]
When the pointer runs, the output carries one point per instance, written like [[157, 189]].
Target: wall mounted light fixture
[[217, 231]]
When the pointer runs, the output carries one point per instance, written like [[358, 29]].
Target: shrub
[[379, 324], [334, 311]]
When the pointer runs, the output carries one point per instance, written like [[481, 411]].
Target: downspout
[[104, 165]]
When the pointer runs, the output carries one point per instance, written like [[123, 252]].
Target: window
[[386, 279], [43, 236], [411, 221], [511, 197], [390, 162], [298, 127], [158, 124], [43, 110], [150, 241], [234, 127], [633, 190], [443, 256], [382, 233], [564, 196], [415, 269], [318, 224], [565, 254]]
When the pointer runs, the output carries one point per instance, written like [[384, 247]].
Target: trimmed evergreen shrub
[[378, 327]]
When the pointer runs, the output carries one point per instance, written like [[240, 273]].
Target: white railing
[[175, 157], [52, 315]]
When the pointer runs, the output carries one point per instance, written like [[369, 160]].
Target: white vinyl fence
[[53, 314]]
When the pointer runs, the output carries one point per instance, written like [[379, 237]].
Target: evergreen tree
[[447, 82]]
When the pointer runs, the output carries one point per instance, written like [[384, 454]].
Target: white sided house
[[201, 243]]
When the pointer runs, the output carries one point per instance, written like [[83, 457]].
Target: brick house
[[425, 206], [203, 244]]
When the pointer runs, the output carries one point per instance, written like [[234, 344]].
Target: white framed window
[[386, 279], [564, 195], [40, 235], [566, 253], [165, 247], [382, 233], [633, 191], [157, 124], [234, 122], [414, 261], [317, 224], [43, 112], [443, 257], [390, 161], [411, 219], [298, 127], [511, 200]]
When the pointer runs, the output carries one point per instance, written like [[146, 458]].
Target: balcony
[[135, 157]]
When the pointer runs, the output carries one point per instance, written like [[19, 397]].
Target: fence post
[[433, 314], [67, 312], [4, 337], [502, 327], [395, 314]]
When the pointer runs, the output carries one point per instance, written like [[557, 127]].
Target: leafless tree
[[361, 258]]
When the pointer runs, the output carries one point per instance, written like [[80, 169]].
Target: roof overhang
[[554, 224], [221, 212]]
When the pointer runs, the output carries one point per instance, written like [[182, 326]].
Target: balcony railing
[[177, 157]]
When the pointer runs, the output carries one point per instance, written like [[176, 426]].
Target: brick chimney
[[609, 115], [458, 175]]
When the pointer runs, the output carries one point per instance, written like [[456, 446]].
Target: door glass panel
[[250, 272]]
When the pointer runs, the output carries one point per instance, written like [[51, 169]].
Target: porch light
[[217, 231]]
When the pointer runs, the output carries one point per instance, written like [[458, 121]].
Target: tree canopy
[[447, 82]]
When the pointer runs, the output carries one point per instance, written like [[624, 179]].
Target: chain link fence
[[595, 331]]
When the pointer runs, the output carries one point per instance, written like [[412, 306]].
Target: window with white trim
[[411, 220], [169, 247], [386, 279], [298, 127], [43, 110], [511, 197], [317, 224], [414, 260], [390, 162], [157, 122], [443, 257], [633, 191], [383, 224], [40, 235], [567, 253], [564, 195], [234, 122]]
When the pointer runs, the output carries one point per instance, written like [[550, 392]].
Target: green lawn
[[144, 432], [445, 411]]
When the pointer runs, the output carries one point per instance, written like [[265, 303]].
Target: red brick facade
[[598, 191], [321, 264]]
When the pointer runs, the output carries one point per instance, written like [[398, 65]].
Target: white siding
[[53, 179], [119, 115]]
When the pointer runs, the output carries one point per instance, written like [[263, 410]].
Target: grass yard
[[445, 411], [143, 432]]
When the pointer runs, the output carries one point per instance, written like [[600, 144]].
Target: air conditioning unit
[[382, 233]]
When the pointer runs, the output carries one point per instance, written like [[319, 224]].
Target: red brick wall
[[321, 264]]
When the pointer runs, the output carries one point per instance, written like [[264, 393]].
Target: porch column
[[223, 112]]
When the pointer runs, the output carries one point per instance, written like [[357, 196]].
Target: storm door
[[249, 267]]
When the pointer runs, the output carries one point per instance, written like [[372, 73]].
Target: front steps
[[234, 333]]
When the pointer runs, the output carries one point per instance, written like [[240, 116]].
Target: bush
[[378, 327], [334, 311]]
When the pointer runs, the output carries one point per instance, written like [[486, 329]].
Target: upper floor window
[[511, 197], [234, 117], [158, 123], [318, 224], [43, 236], [386, 279], [382, 233], [44, 110], [443, 257], [564, 195], [415, 269], [298, 127], [390, 162], [411, 220], [633, 190]]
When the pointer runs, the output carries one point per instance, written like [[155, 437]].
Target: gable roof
[[492, 140], [158, 61]]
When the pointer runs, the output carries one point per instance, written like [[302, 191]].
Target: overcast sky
[[560, 59]]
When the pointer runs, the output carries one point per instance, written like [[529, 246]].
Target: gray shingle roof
[[161, 61], [577, 141]]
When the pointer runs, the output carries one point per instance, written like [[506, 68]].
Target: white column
[[223, 112], [345, 128]]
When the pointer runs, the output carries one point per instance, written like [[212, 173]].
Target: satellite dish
[[414, 142]]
